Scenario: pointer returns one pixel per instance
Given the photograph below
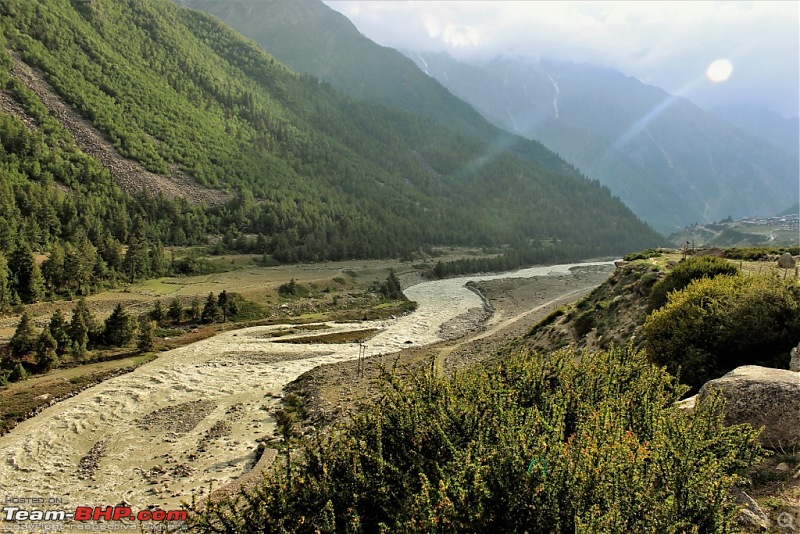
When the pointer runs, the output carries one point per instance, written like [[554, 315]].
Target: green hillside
[[312, 38], [318, 175]]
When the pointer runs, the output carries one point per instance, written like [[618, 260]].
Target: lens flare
[[719, 70]]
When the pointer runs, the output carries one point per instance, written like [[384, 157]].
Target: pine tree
[[194, 312], [28, 281], [119, 329], [157, 313], [53, 270], [175, 311], [137, 261], [24, 340], [147, 329], [59, 329], [157, 260], [18, 373], [5, 285], [46, 345], [391, 287], [223, 305], [94, 329], [79, 336], [210, 310], [79, 264]]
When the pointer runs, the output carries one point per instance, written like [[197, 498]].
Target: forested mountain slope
[[310, 37], [318, 175]]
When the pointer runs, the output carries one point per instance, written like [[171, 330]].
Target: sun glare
[[719, 70]]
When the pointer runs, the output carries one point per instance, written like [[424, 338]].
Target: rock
[[782, 467], [763, 397], [786, 261], [687, 405], [620, 263], [794, 362], [750, 512]]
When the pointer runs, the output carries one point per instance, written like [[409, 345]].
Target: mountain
[[670, 161], [144, 102], [309, 37], [791, 210], [783, 132], [312, 38]]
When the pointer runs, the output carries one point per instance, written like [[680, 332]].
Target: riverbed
[[188, 421]]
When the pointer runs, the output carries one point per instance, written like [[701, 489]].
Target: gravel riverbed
[[190, 419]]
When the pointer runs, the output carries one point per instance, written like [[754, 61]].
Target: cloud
[[669, 44]]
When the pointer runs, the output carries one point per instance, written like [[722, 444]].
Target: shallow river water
[[189, 419]]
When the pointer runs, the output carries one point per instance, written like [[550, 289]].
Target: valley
[[190, 419], [295, 261]]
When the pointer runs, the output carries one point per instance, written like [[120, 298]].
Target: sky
[[671, 45]]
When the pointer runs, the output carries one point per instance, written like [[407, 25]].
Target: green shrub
[[529, 444], [758, 253], [715, 325], [642, 255], [584, 323], [548, 320], [293, 289], [687, 270]]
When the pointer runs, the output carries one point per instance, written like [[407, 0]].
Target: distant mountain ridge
[[783, 132], [670, 161]]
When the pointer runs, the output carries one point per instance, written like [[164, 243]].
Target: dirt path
[[508, 323]]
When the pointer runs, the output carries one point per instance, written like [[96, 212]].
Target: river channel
[[189, 420]]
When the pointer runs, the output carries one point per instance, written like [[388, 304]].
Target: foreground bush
[[715, 325], [693, 268], [529, 444]]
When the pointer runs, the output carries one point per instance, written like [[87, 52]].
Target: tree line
[[72, 341]]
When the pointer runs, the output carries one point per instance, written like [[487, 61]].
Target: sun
[[719, 71]]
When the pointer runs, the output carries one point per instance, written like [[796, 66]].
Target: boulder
[[786, 261], [794, 363], [750, 513], [763, 397], [687, 405]]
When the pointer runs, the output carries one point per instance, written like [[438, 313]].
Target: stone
[[687, 405], [782, 467], [786, 261], [750, 513], [763, 397], [794, 362]]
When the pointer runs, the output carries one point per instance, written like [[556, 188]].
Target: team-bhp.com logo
[[172, 518]]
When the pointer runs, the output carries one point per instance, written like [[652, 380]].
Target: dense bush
[[758, 253], [690, 269], [715, 325], [528, 444], [643, 255]]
